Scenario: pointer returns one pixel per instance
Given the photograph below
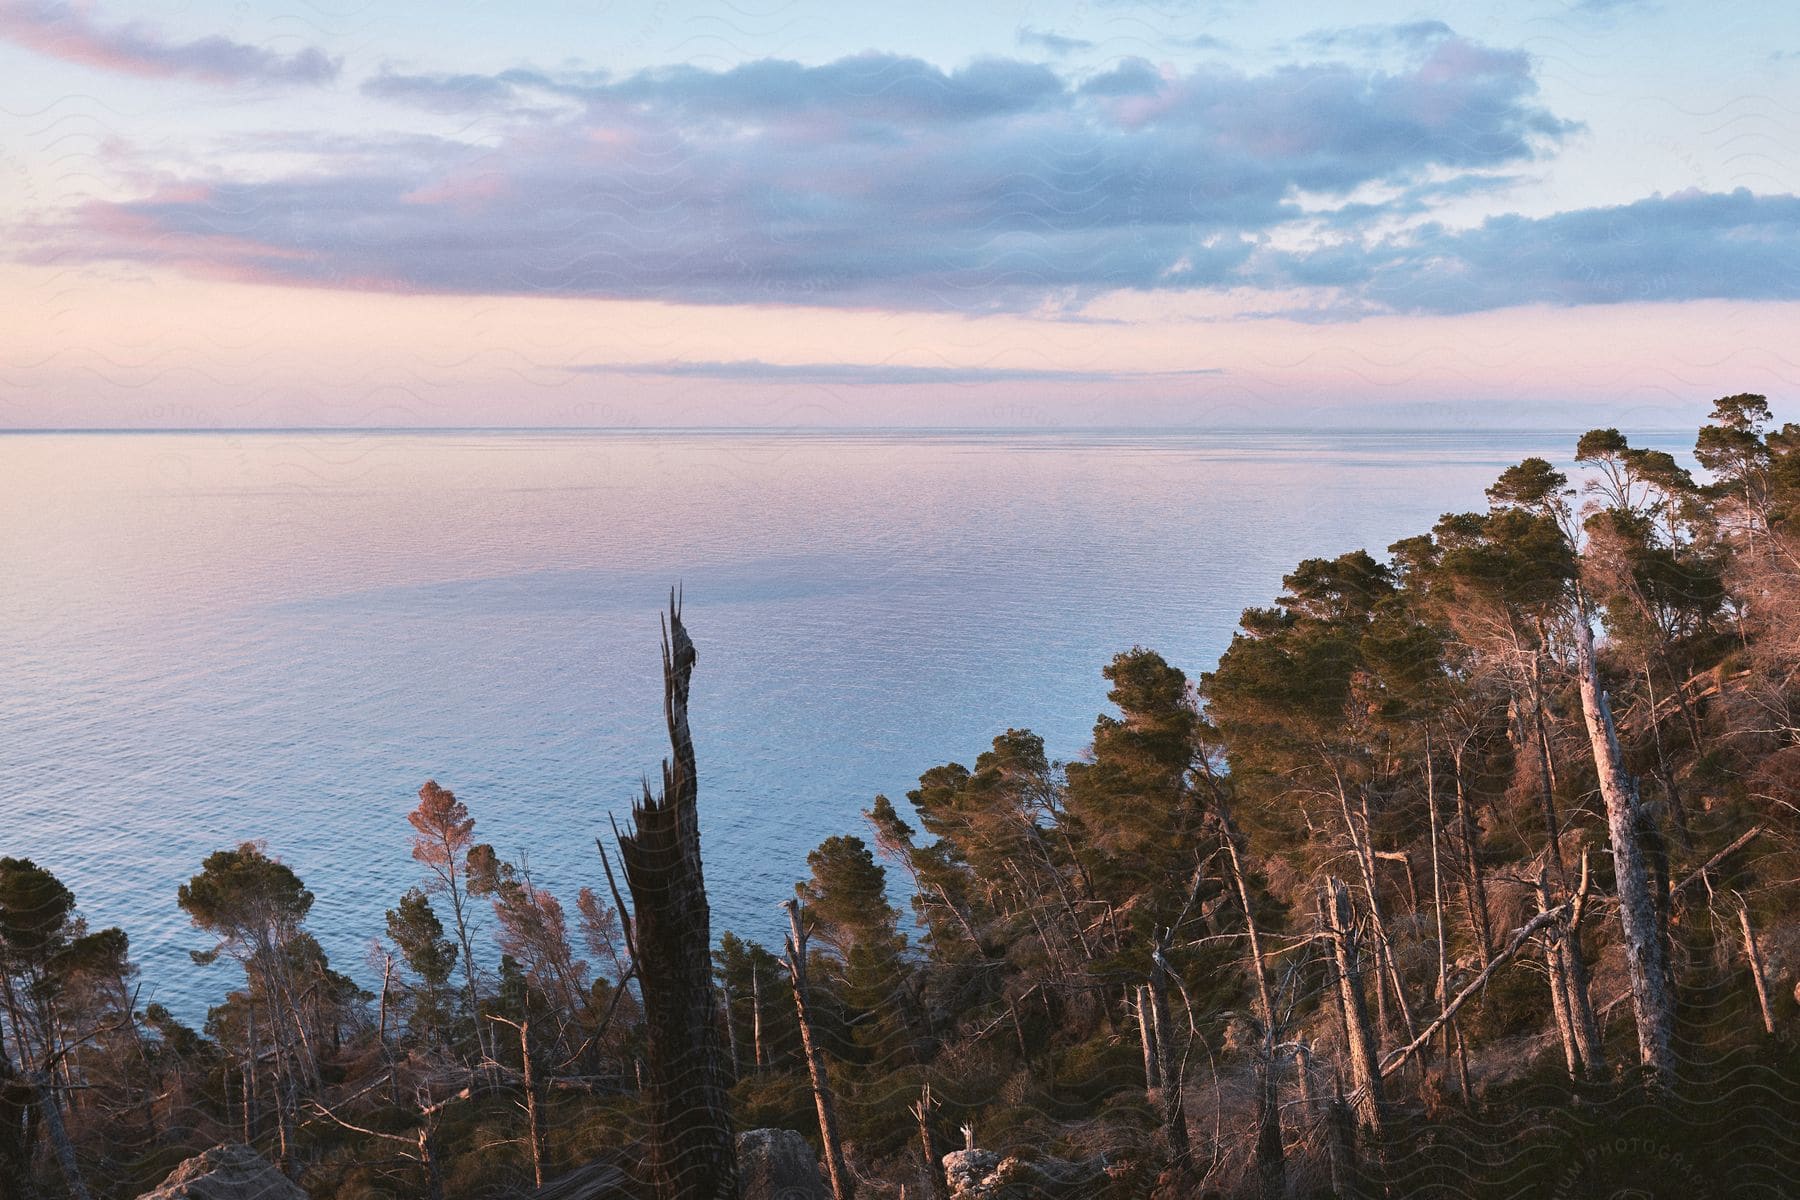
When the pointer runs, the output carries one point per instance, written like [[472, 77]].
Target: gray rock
[[985, 1175], [973, 1175], [227, 1172], [777, 1164]]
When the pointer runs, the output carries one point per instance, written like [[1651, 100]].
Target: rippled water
[[208, 638]]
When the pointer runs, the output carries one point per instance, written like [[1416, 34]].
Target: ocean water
[[211, 638]]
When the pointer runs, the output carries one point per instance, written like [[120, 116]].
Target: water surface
[[208, 638]]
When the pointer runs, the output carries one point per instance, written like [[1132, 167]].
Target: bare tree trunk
[[249, 1074], [936, 1187], [387, 976], [1575, 980], [692, 1152], [1646, 958], [1475, 889], [1340, 1142], [1147, 1036], [287, 1102], [534, 1117], [1754, 954], [1365, 1073], [1437, 888], [1462, 1066], [731, 1035], [434, 1178], [756, 1028], [1387, 971], [1270, 1151], [842, 1187], [1169, 1066], [1547, 780], [1558, 976], [15, 1155], [51, 1107], [1677, 812]]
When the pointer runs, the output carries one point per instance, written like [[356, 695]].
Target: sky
[[1012, 213]]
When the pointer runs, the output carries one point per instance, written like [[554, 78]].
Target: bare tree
[[692, 1152], [842, 1186]]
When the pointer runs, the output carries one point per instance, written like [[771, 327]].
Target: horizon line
[[1013, 430]]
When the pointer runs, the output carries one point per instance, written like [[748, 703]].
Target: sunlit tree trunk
[[1646, 958], [1147, 1038], [842, 1187]]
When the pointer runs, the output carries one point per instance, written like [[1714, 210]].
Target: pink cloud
[[61, 30]]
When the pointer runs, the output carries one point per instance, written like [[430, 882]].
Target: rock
[[985, 1175], [973, 1174], [777, 1164], [227, 1172]]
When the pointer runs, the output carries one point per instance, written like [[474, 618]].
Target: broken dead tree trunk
[[842, 1186], [935, 1185], [1646, 957], [692, 1154]]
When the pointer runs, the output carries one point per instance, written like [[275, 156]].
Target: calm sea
[[210, 638]]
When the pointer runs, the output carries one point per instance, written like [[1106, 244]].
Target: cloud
[[452, 93], [1200, 41], [1689, 246], [854, 374], [62, 30], [873, 181], [886, 89], [1051, 41], [1377, 37]]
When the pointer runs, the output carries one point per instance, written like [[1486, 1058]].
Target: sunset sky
[[229, 213]]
